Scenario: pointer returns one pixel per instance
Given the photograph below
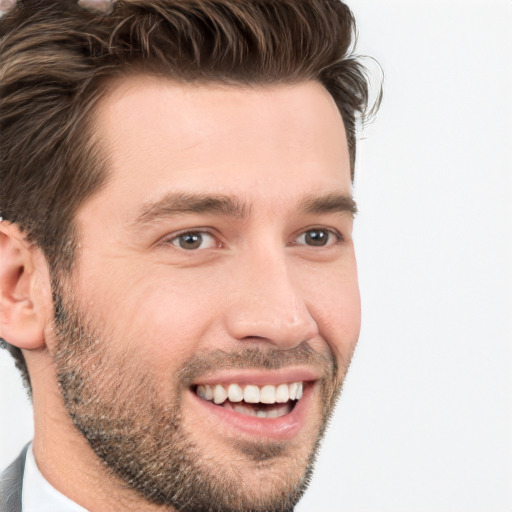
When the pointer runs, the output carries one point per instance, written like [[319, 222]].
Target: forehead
[[161, 136]]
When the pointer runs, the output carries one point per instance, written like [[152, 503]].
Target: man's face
[[217, 260]]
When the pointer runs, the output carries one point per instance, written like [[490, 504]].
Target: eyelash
[[174, 240]]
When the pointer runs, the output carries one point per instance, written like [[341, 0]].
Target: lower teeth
[[261, 412]]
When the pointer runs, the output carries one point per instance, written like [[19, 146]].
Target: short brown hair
[[56, 60]]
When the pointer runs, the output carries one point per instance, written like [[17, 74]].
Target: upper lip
[[259, 377]]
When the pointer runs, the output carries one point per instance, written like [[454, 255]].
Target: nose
[[266, 305]]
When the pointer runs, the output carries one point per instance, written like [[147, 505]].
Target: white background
[[425, 422]]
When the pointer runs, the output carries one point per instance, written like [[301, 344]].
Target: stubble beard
[[142, 440]]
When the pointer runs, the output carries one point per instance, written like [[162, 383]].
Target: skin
[[254, 286]]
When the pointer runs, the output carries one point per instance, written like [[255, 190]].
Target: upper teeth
[[268, 394]]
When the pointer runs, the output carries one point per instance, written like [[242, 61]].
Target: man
[[178, 278]]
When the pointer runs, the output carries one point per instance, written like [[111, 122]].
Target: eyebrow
[[183, 203], [331, 203]]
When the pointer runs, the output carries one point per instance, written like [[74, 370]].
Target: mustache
[[261, 358]]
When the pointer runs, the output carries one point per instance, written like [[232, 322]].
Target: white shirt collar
[[39, 495]]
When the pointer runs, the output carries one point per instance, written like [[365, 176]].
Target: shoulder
[[11, 483]]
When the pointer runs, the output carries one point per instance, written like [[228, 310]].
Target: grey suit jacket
[[11, 484]]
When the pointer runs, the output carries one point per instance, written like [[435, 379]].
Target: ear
[[23, 292]]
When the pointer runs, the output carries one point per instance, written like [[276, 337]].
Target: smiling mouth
[[268, 401]]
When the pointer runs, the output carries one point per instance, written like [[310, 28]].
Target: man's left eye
[[194, 240], [318, 238]]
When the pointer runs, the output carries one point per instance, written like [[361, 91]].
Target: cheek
[[336, 307], [341, 321], [163, 317]]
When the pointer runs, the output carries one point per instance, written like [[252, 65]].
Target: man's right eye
[[194, 240]]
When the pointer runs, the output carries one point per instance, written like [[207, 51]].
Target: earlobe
[[22, 318]]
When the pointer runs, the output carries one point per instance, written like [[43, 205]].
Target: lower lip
[[279, 429]]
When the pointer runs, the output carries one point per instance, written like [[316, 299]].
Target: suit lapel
[[11, 484]]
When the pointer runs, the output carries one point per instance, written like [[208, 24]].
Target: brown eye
[[193, 240], [317, 238]]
